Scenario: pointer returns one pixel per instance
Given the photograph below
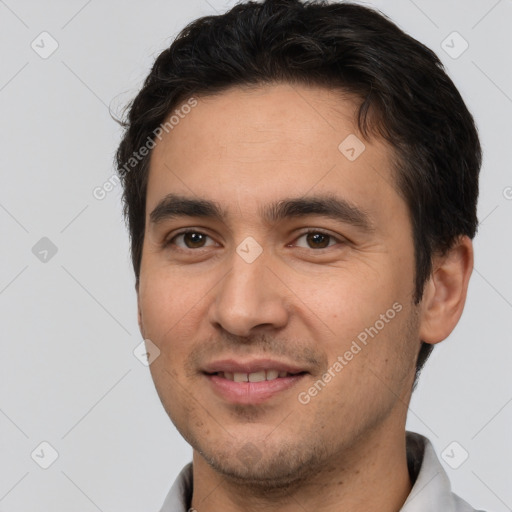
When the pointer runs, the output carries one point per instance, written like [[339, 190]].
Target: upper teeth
[[253, 377]]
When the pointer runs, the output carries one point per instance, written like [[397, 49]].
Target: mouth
[[258, 376], [251, 382]]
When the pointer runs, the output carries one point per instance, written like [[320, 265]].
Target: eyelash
[[171, 240]]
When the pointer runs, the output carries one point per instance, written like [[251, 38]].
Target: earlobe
[[445, 292], [139, 317], [139, 311]]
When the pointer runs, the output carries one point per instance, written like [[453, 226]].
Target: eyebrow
[[174, 206]]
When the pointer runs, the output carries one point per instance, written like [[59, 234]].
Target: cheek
[[166, 305], [365, 313], [168, 318], [349, 300]]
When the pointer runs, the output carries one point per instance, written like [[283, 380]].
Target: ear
[[139, 312], [445, 292]]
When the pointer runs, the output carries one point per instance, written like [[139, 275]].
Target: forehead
[[285, 119], [245, 146]]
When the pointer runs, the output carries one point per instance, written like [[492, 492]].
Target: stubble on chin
[[265, 468]]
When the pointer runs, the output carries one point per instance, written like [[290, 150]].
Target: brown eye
[[194, 240], [316, 240], [189, 240]]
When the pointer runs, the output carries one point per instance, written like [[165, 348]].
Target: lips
[[251, 382], [252, 366], [254, 376]]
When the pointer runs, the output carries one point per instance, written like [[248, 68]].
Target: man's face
[[249, 291]]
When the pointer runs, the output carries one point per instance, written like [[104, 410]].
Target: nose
[[251, 297]]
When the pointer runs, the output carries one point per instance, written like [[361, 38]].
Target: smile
[[255, 376]]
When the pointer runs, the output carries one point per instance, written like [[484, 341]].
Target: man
[[300, 184]]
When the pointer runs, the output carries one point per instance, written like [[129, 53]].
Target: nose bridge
[[249, 296]]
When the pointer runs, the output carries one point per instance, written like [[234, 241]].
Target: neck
[[371, 475]]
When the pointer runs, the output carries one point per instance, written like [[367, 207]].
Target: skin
[[246, 148]]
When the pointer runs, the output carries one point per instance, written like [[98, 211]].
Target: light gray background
[[68, 374]]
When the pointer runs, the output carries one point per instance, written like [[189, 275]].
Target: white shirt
[[431, 491]]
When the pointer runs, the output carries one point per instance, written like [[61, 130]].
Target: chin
[[262, 471]]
